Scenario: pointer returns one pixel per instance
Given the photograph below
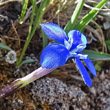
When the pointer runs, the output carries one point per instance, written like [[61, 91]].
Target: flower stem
[[21, 82], [40, 72]]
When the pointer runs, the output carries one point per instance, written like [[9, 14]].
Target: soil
[[63, 89]]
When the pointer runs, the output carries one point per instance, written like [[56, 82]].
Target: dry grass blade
[[102, 35], [90, 7], [97, 35], [4, 3], [15, 32]]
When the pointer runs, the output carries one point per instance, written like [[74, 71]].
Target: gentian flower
[[56, 54]]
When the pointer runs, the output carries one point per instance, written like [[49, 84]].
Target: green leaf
[[98, 67], [69, 26], [88, 17], [27, 61], [32, 15], [24, 8], [97, 55], [45, 39], [5, 47], [39, 14], [107, 42]]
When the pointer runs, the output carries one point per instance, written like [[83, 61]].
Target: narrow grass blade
[[69, 26], [97, 55], [87, 18], [45, 39], [27, 61], [24, 8], [32, 15], [39, 15], [38, 19], [5, 47]]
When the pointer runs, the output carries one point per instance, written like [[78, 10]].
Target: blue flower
[[56, 54]]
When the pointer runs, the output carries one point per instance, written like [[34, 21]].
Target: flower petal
[[54, 32], [83, 72], [77, 40], [90, 66], [79, 55], [54, 55]]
